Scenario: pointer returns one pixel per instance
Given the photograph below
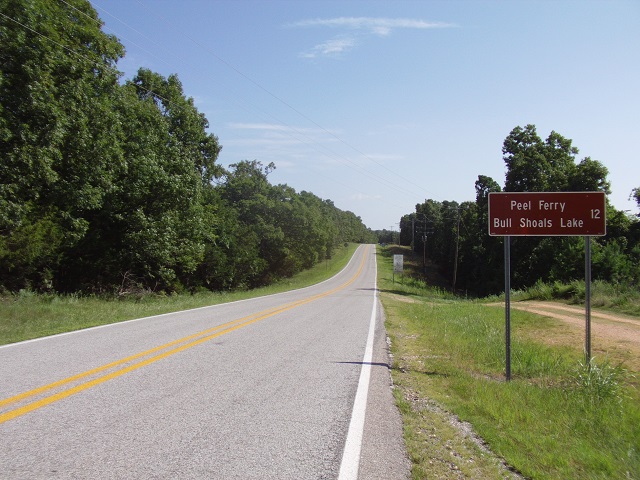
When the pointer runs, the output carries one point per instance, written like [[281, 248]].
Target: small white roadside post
[[397, 265]]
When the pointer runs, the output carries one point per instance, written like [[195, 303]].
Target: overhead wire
[[102, 24], [279, 99], [73, 52], [282, 101], [302, 137], [386, 182]]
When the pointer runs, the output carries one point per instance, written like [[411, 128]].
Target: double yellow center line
[[154, 354]]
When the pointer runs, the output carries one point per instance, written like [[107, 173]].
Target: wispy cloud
[[364, 197], [288, 141], [378, 26], [359, 27], [333, 47], [280, 128], [259, 126]]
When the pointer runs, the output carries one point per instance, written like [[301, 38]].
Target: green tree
[[186, 125], [524, 157], [484, 186], [108, 186], [484, 261], [590, 176], [293, 230], [156, 223], [636, 194], [534, 165], [318, 235], [407, 227], [435, 235], [231, 259], [537, 166], [247, 190], [57, 124]]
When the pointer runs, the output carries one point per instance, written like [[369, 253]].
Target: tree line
[[108, 185], [455, 235]]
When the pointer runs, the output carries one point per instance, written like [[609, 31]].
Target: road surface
[[288, 386]]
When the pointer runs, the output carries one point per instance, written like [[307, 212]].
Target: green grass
[[27, 315], [556, 419]]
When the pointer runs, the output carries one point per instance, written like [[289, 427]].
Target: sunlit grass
[[27, 315], [555, 419]]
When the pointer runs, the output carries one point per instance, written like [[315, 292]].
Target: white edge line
[[124, 322], [351, 454]]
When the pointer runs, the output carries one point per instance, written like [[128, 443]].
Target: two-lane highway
[[259, 389]]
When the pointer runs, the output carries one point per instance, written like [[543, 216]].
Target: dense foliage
[[455, 235], [109, 185]]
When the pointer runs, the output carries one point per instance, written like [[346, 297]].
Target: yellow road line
[[102, 368], [97, 381], [205, 335]]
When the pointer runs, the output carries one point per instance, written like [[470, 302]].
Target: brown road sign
[[547, 213]]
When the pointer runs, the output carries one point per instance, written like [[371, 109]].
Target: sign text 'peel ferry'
[[547, 213]]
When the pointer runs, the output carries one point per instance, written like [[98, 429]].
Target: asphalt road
[[288, 386]]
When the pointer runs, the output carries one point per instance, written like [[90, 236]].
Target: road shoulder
[[384, 454]]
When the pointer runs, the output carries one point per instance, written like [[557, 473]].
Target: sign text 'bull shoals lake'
[[547, 213]]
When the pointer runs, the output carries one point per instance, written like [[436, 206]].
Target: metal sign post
[[587, 299], [546, 214], [507, 305]]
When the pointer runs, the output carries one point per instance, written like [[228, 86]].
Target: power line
[[327, 151], [331, 154], [73, 52], [279, 99], [102, 24], [157, 95]]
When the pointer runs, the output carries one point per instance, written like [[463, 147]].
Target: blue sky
[[379, 105]]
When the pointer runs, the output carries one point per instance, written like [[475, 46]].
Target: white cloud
[[264, 142], [365, 197], [259, 126], [286, 142], [381, 27], [284, 129], [331, 48]]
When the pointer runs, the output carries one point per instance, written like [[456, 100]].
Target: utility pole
[[455, 266], [424, 253], [424, 243], [413, 231]]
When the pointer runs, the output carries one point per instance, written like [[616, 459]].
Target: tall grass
[[600, 382], [556, 419], [552, 405]]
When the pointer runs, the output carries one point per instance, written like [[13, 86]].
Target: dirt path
[[612, 334], [616, 327]]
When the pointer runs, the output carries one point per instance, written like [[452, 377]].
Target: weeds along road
[[258, 389]]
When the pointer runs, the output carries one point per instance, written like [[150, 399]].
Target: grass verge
[[556, 419], [27, 315]]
